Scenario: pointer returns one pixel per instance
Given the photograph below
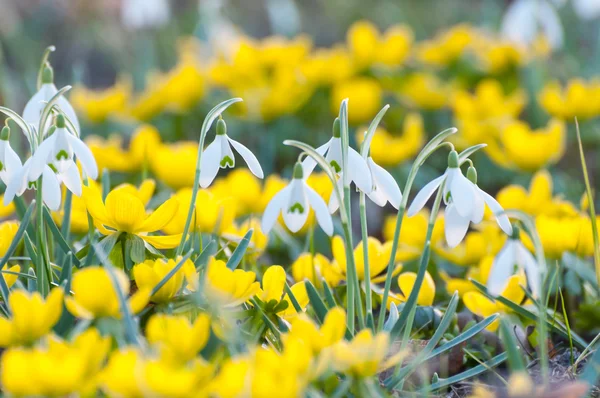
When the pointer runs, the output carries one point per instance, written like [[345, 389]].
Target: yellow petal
[[95, 206], [164, 241], [160, 217], [126, 210], [406, 281], [273, 283], [480, 305], [77, 310], [139, 300]]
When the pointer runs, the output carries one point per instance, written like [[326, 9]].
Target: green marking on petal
[[54, 169], [335, 166], [62, 154], [1, 166], [297, 207], [32, 184], [226, 162]]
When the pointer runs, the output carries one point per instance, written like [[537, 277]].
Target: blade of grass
[[58, 236], [240, 250]]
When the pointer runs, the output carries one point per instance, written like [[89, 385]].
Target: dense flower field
[[381, 217]]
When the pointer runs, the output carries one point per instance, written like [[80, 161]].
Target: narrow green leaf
[[317, 304], [464, 155], [240, 250], [58, 236], [293, 298], [329, 299], [515, 359], [105, 183], [371, 131], [171, 273]]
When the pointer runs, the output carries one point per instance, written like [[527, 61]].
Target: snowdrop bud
[[221, 127], [298, 171], [5, 134], [336, 128], [60, 121], [472, 174], [516, 233], [453, 160], [47, 74]]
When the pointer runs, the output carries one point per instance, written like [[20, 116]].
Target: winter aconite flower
[[229, 288], [406, 281], [179, 339], [272, 292], [149, 274], [294, 202], [122, 211], [219, 155]]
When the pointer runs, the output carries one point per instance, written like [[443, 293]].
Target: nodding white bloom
[[139, 14], [525, 20], [587, 9], [35, 106], [295, 202], [456, 226], [358, 170], [513, 256], [10, 163], [53, 161], [219, 155], [384, 187]]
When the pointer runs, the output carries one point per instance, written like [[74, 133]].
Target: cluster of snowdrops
[[132, 292]]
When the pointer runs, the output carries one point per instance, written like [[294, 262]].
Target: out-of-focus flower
[[181, 158], [32, 316], [99, 105], [447, 47], [125, 212], [244, 187], [388, 149], [141, 14], [406, 281], [325, 66], [526, 149], [273, 287], [121, 373], [525, 20], [149, 273], [95, 295], [368, 47], [412, 235], [478, 272], [318, 338], [488, 239], [586, 9], [227, 287], [424, 90], [8, 230], [497, 55], [305, 266], [8, 210], [179, 339], [211, 212], [578, 98], [259, 240], [364, 98]]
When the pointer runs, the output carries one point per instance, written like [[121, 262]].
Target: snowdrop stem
[[367, 270], [208, 121], [43, 276]]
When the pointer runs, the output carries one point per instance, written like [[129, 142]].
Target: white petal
[[308, 164], [462, 193], [12, 162], [358, 171], [385, 184], [84, 155], [318, 205], [296, 219], [502, 268], [532, 270], [39, 160], [37, 103], [248, 157], [498, 211], [335, 152], [72, 180], [587, 9], [17, 181], [210, 163], [50, 189], [333, 199], [424, 195], [271, 213], [455, 226], [478, 206]]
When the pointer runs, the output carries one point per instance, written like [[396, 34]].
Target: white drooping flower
[[526, 20], [513, 256], [294, 202], [456, 226], [358, 170], [10, 163], [54, 162], [35, 106], [140, 14], [586, 9], [219, 155], [384, 188]]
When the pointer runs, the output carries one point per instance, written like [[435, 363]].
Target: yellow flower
[[366, 355], [149, 273], [364, 94], [480, 305], [488, 239], [95, 296], [325, 66], [412, 235], [6, 211], [99, 105], [273, 285], [212, 213], [318, 338], [379, 257], [446, 48], [175, 164], [243, 186], [305, 266], [32, 316], [273, 184], [578, 99], [165, 379], [8, 230], [230, 288], [123, 374], [259, 240], [179, 339], [406, 281], [388, 149], [9, 274], [123, 211], [564, 233], [529, 150], [368, 47], [478, 273], [497, 55], [424, 90]]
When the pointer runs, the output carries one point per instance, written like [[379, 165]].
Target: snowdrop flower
[[219, 155], [587, 9], [384, 187], [51, 194], [139, 14], [456, 226], [526, 19], [10, 163], [295, 202], [358, 170], [512, 255], [35, 106]]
